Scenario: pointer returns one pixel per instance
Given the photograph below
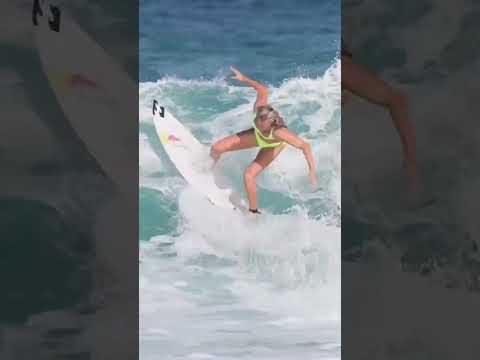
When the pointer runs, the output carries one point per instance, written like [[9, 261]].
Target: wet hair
[[268, 113]]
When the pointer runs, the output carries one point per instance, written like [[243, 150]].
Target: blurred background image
[[411, 261]]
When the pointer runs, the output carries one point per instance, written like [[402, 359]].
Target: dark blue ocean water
[[271, 40]]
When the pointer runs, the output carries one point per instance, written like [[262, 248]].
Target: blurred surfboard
[[91, 90]]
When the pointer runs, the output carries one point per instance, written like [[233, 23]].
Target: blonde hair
[[268, 113]]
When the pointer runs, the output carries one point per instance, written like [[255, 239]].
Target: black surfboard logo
[[155, 109], [54, 19]]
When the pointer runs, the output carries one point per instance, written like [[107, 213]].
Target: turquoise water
[[213, 283]]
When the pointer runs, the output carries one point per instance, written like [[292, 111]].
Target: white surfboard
[[190, 157], [90, 89]]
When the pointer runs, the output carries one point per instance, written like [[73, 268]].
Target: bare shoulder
[[281, 131]]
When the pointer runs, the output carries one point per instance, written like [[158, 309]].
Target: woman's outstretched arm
[[262, 90], [291, 138]]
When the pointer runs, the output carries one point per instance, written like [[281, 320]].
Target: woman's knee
[[397, 99], [250, 173], [217, 148]]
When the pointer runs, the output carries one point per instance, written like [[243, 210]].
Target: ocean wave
[[278, 273], [213, 109]]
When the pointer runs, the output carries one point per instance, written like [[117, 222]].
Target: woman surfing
[[269, 133]]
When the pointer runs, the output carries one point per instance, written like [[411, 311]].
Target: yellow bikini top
[[261, 138]]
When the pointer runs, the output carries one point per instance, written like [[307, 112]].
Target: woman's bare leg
[[263, 159], [364, 84], [239, 141]]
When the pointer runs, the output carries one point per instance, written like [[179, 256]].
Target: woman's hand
[[237, 74]]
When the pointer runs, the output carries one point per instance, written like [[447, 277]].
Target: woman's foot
[[254, 211]]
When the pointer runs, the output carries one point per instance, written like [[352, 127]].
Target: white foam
[[288, 251], [149, 162]]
